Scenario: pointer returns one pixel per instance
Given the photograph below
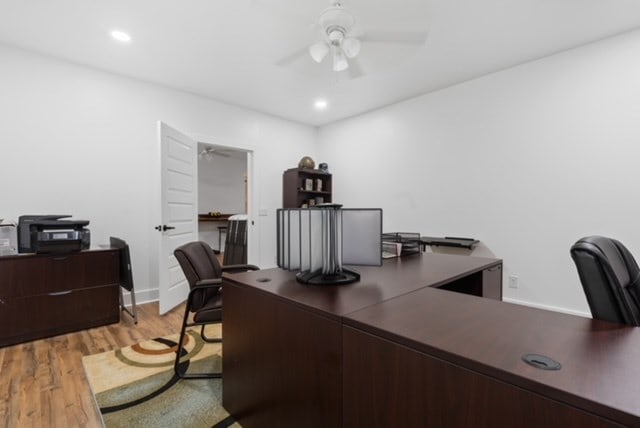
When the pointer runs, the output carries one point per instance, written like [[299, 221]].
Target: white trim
[[142, 296], [547, 307]]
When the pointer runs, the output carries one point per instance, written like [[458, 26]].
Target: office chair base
[[178, 368], [198, 375], [208, 339]]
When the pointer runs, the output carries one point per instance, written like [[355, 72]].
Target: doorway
[[178, 222], [222, 191]]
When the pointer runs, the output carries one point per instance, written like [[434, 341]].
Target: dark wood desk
[[450, 360], [283, 348]]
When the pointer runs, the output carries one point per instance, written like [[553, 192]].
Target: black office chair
[[610, 278], [126, 276], [235, 244], [204, 302]]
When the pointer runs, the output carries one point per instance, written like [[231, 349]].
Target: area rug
[[136, 386]]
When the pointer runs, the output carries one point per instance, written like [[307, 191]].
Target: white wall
[[527, 160], [78, 141], [221, 184]]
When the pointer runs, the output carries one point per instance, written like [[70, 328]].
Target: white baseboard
[[142, 296], [547, 307]]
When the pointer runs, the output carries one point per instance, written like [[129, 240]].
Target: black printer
[[51, 234]]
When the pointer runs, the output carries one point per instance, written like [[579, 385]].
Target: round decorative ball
[[306, 162]]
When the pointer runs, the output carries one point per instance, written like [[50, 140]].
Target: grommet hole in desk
[[541, 362]]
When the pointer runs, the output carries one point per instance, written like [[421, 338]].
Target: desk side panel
[[402, 387], [281, 363]]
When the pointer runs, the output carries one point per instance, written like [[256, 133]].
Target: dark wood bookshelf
[[300, 186]]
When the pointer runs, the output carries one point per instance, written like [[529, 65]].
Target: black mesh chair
[[126, 276], [235, 243], [610, 278], [204, 303]]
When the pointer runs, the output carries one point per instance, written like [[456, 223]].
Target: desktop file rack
[[398, 244]]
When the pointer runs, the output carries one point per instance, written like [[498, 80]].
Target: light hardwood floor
[[43, 384]]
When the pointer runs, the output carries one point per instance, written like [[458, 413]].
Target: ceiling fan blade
[[394, 36], [355, 69], [284, 61]]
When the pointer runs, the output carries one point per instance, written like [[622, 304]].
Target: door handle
[[163, 228]]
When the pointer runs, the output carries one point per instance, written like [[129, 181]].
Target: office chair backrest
[[235, 244], [126, 274], [610, 278], [198, 262]]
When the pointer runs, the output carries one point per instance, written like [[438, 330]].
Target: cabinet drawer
[[42, 274], [32, 317]]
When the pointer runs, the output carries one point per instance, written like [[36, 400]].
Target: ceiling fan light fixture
[[339, 60], [318, 51], [351, 47]]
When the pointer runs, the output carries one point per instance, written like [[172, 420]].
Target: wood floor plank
[[43, 383]]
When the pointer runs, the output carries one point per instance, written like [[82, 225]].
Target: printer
[[52, 234]]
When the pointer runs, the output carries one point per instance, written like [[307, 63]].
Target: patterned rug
[[136, 386]]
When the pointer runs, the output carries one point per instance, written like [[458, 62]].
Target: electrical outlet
[[513, 281]]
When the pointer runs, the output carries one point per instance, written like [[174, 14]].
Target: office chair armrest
[[238, 268], [202, 286], [208, 283]]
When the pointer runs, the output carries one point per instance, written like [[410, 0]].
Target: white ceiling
[[237, 51]]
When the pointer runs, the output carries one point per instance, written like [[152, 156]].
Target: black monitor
[[317, 242]]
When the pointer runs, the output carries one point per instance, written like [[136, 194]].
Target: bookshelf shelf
[[303, 187]]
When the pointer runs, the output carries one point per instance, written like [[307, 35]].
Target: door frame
[[252, 237]]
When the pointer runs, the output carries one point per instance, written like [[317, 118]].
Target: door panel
[[179, 211]]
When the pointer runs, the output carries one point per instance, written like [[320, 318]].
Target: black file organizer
[[410, 242], [448, 241]]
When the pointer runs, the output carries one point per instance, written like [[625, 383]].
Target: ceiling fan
[[209, 152], [342, 41], [336, 24]]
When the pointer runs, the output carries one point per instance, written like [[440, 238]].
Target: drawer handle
[[61, 293], [59, 258]]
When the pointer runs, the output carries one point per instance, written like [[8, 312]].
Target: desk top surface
[[395, 277], [54, 254], [600, 369]]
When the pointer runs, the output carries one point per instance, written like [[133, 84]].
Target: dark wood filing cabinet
[[44, 295]]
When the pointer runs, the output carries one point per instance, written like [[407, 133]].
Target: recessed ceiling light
[[121, 36], [320, 104]]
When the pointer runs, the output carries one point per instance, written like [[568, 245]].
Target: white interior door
[[179, 211]]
